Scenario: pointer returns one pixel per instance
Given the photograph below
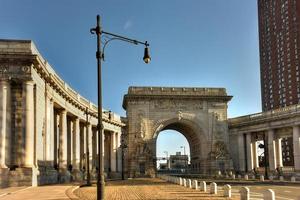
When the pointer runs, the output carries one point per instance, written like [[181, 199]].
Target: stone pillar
[[50, 131], [227, 191], [241, 152], [245, 193], [29, 123], [63, 140], [269, 195], [213, 188], [255, 157], [113, 161], [296, 145], [203, 186], [278, 152], [119, 152], [55, 139], [76, 144], [69, 142], [4, 123], [271, 150], [250, 158], [89, 144]]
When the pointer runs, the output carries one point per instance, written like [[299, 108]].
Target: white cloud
[[128, 24]]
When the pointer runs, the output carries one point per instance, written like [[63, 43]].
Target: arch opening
[[172, 151], [187, 139]]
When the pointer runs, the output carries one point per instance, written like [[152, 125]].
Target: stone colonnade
[[48, 132], [276, 149]]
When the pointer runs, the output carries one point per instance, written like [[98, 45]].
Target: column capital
[[63, 111], [28, 82]]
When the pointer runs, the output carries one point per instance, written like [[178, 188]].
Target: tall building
[[279, 40]]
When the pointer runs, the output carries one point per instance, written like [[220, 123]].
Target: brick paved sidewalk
[[150, 189], [9, 190], [50, 192]]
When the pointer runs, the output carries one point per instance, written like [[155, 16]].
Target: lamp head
[[146, 57]]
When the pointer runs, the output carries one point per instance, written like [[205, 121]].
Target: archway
[[172, 152], [200, 114], [197, 141]]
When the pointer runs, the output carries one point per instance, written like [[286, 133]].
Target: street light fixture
[[100, 56]]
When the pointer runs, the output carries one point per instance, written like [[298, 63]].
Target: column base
[[77, 175], [15, 178], [64, 176]]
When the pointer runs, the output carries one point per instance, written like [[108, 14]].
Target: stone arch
[[191, 111], [198, 141]]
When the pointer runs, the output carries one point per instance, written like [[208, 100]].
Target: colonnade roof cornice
[[286, 116], [23, 56]]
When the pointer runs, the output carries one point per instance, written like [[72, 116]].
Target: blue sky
[[193, 43]]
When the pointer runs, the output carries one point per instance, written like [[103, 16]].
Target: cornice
[[29, 57]]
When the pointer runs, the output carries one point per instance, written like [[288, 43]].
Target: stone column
[[113, 162], [63, 140], [296, 145], [278, 152], [4, 123], [69, 142], [255, 157], [55, 138], [82, 146], [76, 144], [29, 123], [89, 135], [249, 152], [119, 152], [50, 130], [241, 152], [271, 150]]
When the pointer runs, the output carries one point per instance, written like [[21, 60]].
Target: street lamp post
[[123, 147], [100, 56]]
